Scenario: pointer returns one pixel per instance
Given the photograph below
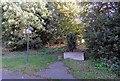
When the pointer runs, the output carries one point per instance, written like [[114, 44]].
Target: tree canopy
[[102, 33], [17, 17], [50, 21]]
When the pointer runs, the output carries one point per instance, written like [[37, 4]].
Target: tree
[[16, 18], [71, 40], [64, 19], [102, 33]]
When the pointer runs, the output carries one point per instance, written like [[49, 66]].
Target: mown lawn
[[86, 70], [16, 61]]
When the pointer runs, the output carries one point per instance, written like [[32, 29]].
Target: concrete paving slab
[[74, 55]]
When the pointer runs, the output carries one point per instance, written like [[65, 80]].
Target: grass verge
[[16, 61], [85, 70]]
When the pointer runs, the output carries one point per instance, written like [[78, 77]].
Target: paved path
[[16, 75], [56, 71]]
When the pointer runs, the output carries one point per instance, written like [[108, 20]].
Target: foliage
[[64, 18], [50, 21], [102, 35], [17, 17]]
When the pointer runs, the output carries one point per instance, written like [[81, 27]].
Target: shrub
[[103, 40]]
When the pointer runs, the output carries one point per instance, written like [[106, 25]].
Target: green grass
[[39, 60], [85, 70], [16, 61], [52, 50]]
